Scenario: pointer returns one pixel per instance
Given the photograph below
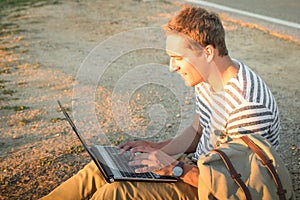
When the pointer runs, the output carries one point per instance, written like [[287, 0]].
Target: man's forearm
[[160, 145], [186, 142]]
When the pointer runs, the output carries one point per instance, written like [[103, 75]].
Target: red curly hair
[[201, 26]]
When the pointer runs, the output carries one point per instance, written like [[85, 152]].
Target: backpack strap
[[268, 163], [234, 175]]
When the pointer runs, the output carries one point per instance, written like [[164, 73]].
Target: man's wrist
[[177, 170]]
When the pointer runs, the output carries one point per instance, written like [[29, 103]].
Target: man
[[230, 98]]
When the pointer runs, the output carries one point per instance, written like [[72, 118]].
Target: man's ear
[[209, 53]]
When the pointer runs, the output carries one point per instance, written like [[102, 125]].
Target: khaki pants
[[88, 183]]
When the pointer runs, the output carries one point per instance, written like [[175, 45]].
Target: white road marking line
[[241, 12]]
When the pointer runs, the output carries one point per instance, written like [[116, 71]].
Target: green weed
[[8, 91], [15, 108], [75, 149], [56, 119], [46, 162], [5, 71]]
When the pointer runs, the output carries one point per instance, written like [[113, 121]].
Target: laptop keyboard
[[121, 162]]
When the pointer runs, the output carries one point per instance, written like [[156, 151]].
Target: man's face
[[185, 61]]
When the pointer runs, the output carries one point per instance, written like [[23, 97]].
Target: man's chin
[[192, 84], [188, 84]]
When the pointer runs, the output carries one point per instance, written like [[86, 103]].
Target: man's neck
[[222, 70]]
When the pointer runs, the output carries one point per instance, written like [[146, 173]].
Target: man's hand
[[135, 144], [153, 159]]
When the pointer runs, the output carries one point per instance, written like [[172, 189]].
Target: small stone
[[16, 136], [178, 115], [169, 125], [187, 102]]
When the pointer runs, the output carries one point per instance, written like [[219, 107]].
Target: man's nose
[[172, 66]]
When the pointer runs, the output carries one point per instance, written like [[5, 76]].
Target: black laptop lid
[[108, 179]]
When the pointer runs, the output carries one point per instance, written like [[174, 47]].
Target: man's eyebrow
[[172, 53]]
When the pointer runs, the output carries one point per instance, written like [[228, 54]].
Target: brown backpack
[[247, 167]]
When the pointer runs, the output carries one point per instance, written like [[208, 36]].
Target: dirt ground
[[42, 46]]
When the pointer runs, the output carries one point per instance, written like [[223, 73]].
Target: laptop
[[112, 165]]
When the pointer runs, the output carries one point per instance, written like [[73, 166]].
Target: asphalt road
[[276, 15], [288, 10]]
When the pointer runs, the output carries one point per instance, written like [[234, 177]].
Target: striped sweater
[[246, 105]]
